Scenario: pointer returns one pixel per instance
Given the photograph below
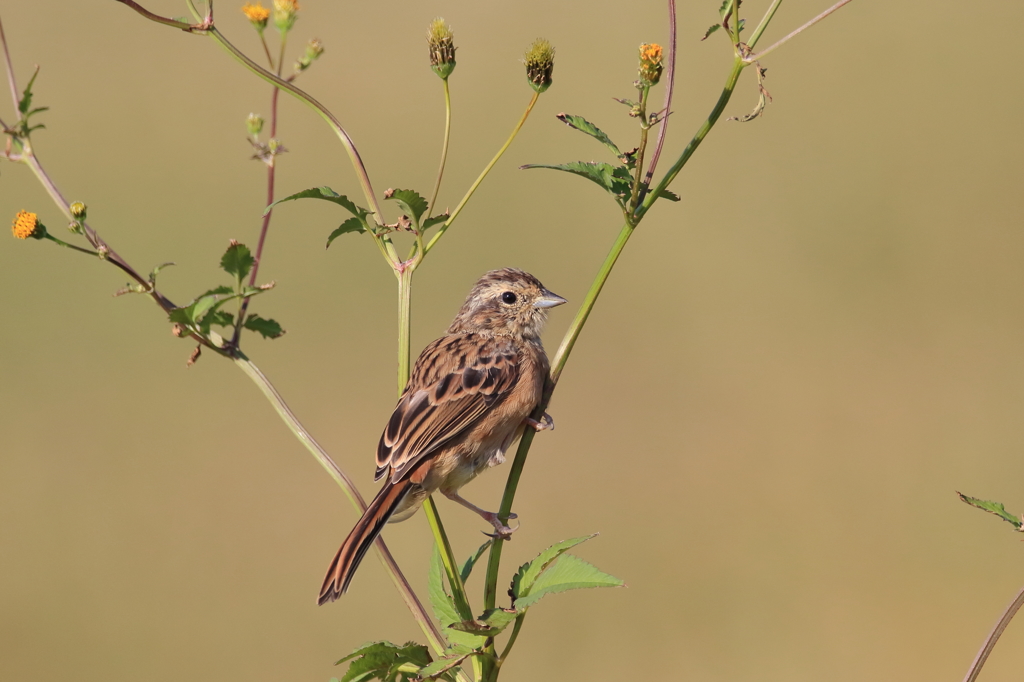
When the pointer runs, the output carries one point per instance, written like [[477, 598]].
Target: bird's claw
[[501, 531], [546, 423]]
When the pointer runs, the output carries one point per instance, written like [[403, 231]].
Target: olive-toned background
[[788, 376]]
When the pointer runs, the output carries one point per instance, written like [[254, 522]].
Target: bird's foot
[[546, 423], [501, 531]]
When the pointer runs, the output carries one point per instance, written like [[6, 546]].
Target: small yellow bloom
[[77, 209], [540, 63], [257, 14], [650, 63], [26, 225], [284, 14]]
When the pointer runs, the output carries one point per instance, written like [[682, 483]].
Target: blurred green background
[[786, 379]]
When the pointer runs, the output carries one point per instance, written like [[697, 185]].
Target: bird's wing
[[454, 382]]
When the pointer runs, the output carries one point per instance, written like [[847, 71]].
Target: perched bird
[[469, 397]]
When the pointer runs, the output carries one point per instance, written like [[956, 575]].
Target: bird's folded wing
[[456, 380]]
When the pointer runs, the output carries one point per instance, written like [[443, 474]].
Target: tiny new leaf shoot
[[412, 204]]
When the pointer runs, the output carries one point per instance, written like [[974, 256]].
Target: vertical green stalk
[[444, 147], [404, 327]]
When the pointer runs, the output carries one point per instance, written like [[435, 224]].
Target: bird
[[469, 397]]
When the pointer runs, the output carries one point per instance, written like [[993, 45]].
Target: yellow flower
[[257, 14], [26, 225], [650, 63], [284, 14]]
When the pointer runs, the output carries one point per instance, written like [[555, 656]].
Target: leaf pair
[[616, 180]]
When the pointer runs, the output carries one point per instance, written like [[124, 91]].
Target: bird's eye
[[508, 297]]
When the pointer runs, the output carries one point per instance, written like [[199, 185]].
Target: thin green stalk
[[754, 57], [419, 613], [444, 147], [63, 243], [645, 128], [569, 341], [512, 639], [448, 560], [458, 209], [404, 327], [765, 20]]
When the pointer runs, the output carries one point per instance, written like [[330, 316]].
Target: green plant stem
[[444, 147], [404, 327], [63, 243], [754, 57], [765, 20], [993, 637], [419, 613], [458, 209], [512, 639], [645, 128]]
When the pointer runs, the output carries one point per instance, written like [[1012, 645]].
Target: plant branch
[[412, 601], [765, 20], [670, 75], [515, 131], [993, 637], [754, 57], [444, 147], [10, 73], [189, 28]]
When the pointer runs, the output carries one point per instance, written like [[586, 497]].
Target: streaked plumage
[[468, 398]]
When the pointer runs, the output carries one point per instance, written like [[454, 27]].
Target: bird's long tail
[[369, 526]]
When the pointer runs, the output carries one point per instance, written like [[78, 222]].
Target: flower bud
[[27, 225], [78, 210], [254, 124], [285, 12], [440, 41], [540, 62], [314, 48], [650, 64], [256, 14]]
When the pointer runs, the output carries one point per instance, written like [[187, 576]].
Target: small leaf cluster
[[551, 571], [24, 126], [201, 314]]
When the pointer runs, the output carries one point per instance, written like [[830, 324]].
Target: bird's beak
[[548, 300]]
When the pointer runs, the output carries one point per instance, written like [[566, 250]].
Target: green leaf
[[327, 194], [444, 606], [567, 573], [385, 661], [350, 225], [531, 570], [25, 103], [430, 222], [193, 311], [413, 205], [156, 271], [711, 29], [584, 126], [994, 508], [237, 260], [220, 318], [467, 567], [490, 624], [615, 180], [453, 656], [671, 196], [269, 329]]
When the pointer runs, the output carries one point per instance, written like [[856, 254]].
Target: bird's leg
[[546, 423], [501, 530]]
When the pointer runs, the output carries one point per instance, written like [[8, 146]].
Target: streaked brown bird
[[469, 397]]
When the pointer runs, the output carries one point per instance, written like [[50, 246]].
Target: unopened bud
[[441, 43], [540, 62], [254, 124], [285, 12], [314, 48], [78, 209]]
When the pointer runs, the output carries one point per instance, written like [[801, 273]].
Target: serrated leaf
[[327, 194], [490, 624], [467, 568], [569, 572], [528, 573], [219, 317], [435, 220], [615, 180], [350, 225], [711, 29], [413, 205], [237, 260], [996, 508], [671, 196], [584, 126], [444, 606], [386, 661], [454, 656], [269, 329]]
